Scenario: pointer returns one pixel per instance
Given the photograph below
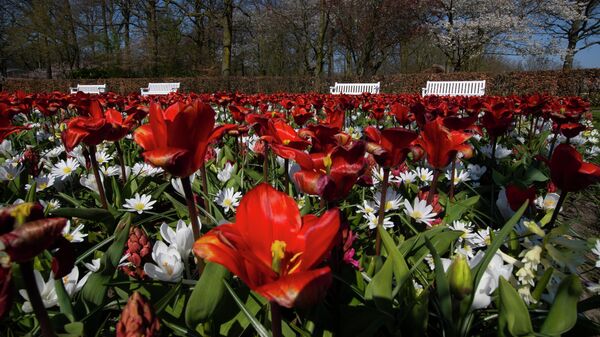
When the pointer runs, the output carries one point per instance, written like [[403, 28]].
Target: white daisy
[[548, 202], [145, 170], [424, 174], [178, 187], [50, 205], [102, 157], [366, 208], [228, 198], [373, 219], [393, 200], [462, 226], [77, 153], [139, 203], [459, 176], [377, 174], [408, 177], [109, 171], [73, 236], [9, 172], [64, 168], [89, 181], [420, 211], [41, 183]]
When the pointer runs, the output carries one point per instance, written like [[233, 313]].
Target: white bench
[[354, 88], [89, 88], [159, 89], [454, 88]]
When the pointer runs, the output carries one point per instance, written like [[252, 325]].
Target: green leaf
[[513, 311], [92, 214], [206, 295], [260, 329], [379, 290], [400, 268], [95, 288], [563, 313], [64, 301], [74, 329], [442, 287], [455, 209], [164, 301], [31, 195]]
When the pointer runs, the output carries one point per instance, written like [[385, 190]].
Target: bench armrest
[[423, 91]]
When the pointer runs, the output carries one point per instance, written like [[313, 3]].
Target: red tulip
[[498, 117], [516, 196], [274, 250], [6, 127], [568, 171], [441, 144], [571, 130], [176, 138], [389, 146]]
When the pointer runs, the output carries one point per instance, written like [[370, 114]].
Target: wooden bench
[[89, 88], [454, 88], [354, 88], [159, 89]]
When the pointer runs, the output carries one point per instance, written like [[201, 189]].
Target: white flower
[[465, 227], [168, 267], [77, 153], [476, 171], [46, 289], [50, 205], [182, 238], [424, 174], [373, 219], [548, 202], [366, 208], [145, 170], [503, 205], [109, 171], [228, 199], [94, 266], [64, 168], [377, 174], [73, 236], [393, 200], [408, 177], [6, 148], [596, 251], [459, 176], [420, 211], [89, 181], [9, 172], [139, 203], [225, 174], [102, 157], [42, 183], [55, 152], [481, 238], [178, 186], [501, 151]]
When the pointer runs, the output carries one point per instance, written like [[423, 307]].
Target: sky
[[589, 58]]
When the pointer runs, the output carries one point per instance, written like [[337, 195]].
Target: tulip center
[[21, 212], [286, 141], [282, 261]]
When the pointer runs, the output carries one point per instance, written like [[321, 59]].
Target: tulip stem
[[382, 201], [561, 200], [452, 173], [206, 204], [266, 163], [275, 319], [35, 299], [96, 171], [193, 212], [433, 188], [121, 161], [552, 144]]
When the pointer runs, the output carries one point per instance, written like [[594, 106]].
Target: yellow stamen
[[21, 212], [277, 255]]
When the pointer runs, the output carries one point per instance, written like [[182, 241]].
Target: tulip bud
[[138, 319], [459, 275]]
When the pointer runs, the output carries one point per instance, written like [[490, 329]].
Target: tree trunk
[[573, 38], [48, 59], [323, 25], [105, 37], [227, 25], [126, 13], [72, 36], [154, 34]]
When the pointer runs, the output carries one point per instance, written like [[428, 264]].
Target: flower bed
[[293, 214]]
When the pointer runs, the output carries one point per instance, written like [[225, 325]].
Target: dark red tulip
[[389, 146], [568, 170], [441, 144]]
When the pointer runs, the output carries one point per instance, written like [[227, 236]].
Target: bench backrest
[[89, 88], [455, 88], [161, 88], [355, 88]]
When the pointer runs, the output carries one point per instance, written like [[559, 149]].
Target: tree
[[575, 22], [464, 29]]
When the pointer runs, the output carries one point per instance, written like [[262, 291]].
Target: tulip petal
[[164, 157], [320, 234], [144, 137], [298, 289]]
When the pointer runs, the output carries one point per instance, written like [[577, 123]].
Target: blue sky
[[589, 58]]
